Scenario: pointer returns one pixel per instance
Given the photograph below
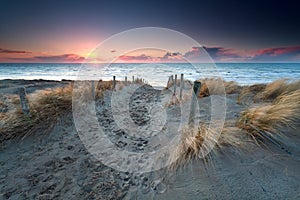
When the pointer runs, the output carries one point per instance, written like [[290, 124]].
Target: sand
[[58, 166]]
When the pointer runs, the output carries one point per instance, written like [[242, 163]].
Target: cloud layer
[[217, 54], [221, 54], [278, 54], [12, 51], [65, 58]]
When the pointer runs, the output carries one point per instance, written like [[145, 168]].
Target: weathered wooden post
[[175, 84], [125, 80], [24, 101], [93, 89], [170, 81], [196, 89], [114, 82], [181, 86], [132, 79]]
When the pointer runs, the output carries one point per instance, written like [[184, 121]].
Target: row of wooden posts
[[171, 80], [196, 88]]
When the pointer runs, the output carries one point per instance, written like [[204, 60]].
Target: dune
[[256, 156]]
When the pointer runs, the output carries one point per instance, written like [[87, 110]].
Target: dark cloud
[[62, 58], [216, 53], [55, 59], [172, 57], [12, 51], [170, 54]]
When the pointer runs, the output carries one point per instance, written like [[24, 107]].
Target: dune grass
[[102, 86], [266, 92], [247, 93], [272, 90], [278, 109], [46, 108], [216, 86], [191, 145], [269, 120]]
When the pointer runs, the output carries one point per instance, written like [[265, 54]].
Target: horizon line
[[233, 62]]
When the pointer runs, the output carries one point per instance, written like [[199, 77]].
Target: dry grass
[[139, 80], [266, 121], [232, 136], [46, 108], [267, 93], [272, 90], [103, 86], [190, 146], [232, 87], [216, 86], [247, 93]]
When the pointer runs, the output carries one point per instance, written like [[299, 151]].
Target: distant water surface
[[157, 74]]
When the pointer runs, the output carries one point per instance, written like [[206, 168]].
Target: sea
[[153, 73]]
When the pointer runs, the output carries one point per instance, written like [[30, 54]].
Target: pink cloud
[[142, 58], [278, 54], [277, 51]]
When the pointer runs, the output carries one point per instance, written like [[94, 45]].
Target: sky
[[230, 31]]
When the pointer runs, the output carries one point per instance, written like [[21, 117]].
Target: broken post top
[[196, 87]]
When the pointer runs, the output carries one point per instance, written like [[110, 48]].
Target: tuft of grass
[[232, 87], [191, 145], [247, 93], [272, 90], [269, 120], [46, 107], [232, 136], [267, 93], [215, 86]]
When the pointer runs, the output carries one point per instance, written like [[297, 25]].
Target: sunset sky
[[230, 31]]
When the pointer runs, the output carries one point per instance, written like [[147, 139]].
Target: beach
[[57, 164]]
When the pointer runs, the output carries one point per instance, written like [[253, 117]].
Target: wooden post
[[196, 89], [114, 82], [175, 84], [181, 86], [125, 80], [24, 101], [93, 88], [132, 79]]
